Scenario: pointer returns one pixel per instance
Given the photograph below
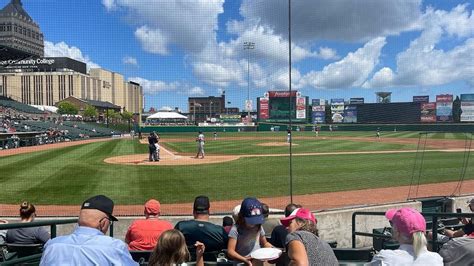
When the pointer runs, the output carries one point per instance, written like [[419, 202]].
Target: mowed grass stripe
[[46, 170], [69, 180], [301, 146]]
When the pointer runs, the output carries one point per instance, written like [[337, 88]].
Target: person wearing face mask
[[88, 244], [247, 235]]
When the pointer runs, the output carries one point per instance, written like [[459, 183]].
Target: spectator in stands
[[235, 213], [269, 224], [3, 233], [409, 228], [171, 250], [88, 244], [279, 233], [303, 245], [247, 235], [458, 251], [227, 223], [143, 234], [200, 229], [467, 229], [28, 235]]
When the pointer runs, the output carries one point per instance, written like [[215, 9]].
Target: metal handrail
[[434, 225], [52, 223]]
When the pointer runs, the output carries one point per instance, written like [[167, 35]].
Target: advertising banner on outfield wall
[[356, 100], [300, 107], [421, 99], [263, 112], [318, 111], [350, 114], [337, 110], [428, 113], [315, 102], [467, 107], [444, 107]]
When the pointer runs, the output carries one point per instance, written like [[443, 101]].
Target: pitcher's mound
[[166, 159], [275, 144]]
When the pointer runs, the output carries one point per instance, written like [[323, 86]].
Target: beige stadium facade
[[47, 88]]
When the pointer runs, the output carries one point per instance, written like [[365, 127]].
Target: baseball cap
[[201, 205], [471, 201], [251, 210], [301, 213], [390, 213], [152, 207], [408, 221], [101, 203]]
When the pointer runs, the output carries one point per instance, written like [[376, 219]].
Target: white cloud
[[152, 41], [61, 49], [128, 60], [359, 20], [196, 91], [351, 71], [426, 64], [109, 4], [151, 87], [189, 25], [166, 108]]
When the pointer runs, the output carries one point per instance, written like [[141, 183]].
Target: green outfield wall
[[459, 127]]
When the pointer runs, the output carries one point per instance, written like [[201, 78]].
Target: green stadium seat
[[350, 255]]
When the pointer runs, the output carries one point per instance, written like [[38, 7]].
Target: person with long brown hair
[[171, 249], [28, 235]]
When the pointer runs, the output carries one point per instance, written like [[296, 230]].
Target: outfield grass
[[299, 146], [68, 175]]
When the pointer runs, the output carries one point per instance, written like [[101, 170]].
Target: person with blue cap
[[247, 235]]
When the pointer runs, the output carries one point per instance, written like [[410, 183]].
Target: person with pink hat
[[144, 233], [409, 228], [303, 245]]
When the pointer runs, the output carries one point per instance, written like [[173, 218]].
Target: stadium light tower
[[248, 46]]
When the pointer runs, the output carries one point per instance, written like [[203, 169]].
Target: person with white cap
[[409, 228], [88, 244], [303, 245], [143, 233]]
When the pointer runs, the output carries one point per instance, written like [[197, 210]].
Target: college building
[[46, 81]]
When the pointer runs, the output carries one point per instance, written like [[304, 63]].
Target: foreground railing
[[53, 229], [434, 225]]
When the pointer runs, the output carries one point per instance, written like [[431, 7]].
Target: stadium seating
[[354, 255], [20, 106]]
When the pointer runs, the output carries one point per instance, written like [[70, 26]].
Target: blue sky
[[341, 49]]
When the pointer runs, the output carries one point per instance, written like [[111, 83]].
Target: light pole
[[248, 46], [210, 110]]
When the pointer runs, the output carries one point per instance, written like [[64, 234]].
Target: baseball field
[[236, 165]]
